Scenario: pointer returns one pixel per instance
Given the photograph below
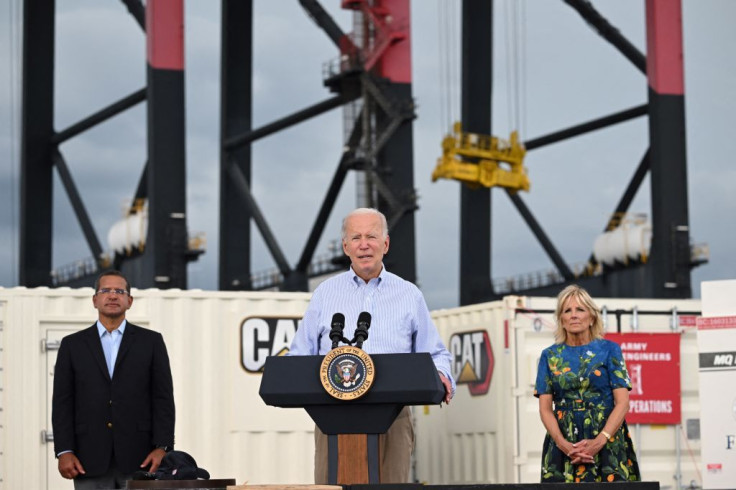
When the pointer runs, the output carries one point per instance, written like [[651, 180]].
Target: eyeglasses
[[120, 292]]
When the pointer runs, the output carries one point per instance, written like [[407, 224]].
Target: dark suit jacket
[[130, 414]]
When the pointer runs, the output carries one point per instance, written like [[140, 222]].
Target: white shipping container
[[218, 340], [220, 419], [496, 436]]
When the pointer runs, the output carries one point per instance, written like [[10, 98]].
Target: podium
[[353, 426]]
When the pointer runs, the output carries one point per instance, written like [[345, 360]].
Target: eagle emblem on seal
[[347, 374]]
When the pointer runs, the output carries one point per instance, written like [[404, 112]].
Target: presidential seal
[[346, 372]]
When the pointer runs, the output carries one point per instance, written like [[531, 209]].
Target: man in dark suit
[[113, 402]]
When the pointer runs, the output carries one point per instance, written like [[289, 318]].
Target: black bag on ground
[[175, 465]]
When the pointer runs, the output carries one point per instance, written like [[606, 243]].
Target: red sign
[[687, 320], [653, 362], [713, 322]]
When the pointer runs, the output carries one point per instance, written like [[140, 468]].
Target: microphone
[[361, 332], [338, 324]]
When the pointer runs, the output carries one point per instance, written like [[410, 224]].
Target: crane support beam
[[586, 127], [235, 142], [100, 116], [331, 197], [546, 243], [475, 204], [628, 196], [324, 21], [273, 247], [609, 33], [164, 262], [236, 107], [670, 252], [138, 11], [37, 129], [626, 199], [79, 210]]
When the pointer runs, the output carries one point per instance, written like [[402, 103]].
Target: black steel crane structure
[[372, 69], [666, 273], [162, 263], [372, 76]]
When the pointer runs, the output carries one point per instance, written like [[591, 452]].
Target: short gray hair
[[360, 211]]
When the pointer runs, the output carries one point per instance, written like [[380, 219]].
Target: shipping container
[[218, 342], [491, 431]]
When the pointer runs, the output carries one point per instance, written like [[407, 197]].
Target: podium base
[[353, 459]]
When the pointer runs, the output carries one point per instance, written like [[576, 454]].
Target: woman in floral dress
[[583, 390]]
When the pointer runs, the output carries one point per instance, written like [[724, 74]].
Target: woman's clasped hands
[[583, 451]]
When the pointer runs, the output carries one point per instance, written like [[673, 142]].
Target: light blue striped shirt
[[111, 343], [400, 320]]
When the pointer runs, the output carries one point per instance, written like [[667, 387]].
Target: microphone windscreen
[[338, 321], [364, 318]]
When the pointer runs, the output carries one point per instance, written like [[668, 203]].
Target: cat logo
[[472, 360], [262, 337]]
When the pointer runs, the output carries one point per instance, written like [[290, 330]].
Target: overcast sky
[[568, 75]]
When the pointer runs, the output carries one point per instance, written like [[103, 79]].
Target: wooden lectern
[[353, 426]]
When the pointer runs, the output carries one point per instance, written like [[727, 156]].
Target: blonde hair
[[580, 294]]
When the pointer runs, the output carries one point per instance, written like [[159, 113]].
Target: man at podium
[[400, 323]]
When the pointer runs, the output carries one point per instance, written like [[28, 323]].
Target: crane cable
[[515, 29], [449, 70], [472, 158]]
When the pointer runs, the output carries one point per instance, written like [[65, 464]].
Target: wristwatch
[[165, 448]]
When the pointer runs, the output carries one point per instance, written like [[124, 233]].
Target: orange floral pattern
[[581, 380]]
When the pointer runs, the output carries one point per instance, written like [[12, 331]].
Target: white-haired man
[[401, 323]]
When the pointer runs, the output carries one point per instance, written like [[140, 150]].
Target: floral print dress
[[581, 380]]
